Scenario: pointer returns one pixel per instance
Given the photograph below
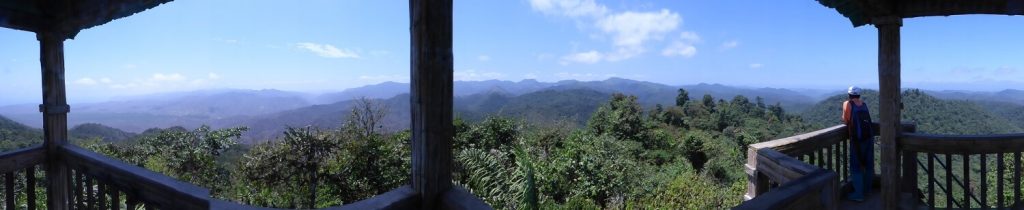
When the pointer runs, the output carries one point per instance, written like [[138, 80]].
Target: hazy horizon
[[327, 46]]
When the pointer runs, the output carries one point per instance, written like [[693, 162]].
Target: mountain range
[[267, 112]]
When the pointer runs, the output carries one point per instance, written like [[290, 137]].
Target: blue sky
[[330, 45]]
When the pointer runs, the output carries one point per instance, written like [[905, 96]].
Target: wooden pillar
[[889, 104], [55, 119], [431, 98]]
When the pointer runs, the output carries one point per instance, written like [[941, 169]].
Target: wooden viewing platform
[[76, 178], [808, 171]]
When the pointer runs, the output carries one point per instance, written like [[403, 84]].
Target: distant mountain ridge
[[931, 114], [266, 112]]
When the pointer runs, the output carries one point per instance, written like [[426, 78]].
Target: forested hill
[[14, 135], [932, 115]]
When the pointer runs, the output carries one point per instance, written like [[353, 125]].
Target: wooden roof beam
[[922, 8]]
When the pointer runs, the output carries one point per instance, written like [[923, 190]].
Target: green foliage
[[686, 156], [931, 115], [682, 98]]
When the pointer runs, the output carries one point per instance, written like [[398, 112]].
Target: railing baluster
[[9, 190], [967, 181], [30, 187], [984, 185], [115, 200], [821, 158], [846, 158], [1016, 178], [79, 189], [949, 181], [131, 203], [828, 158], [91, 200], [102, 195], [1000, 166], [931, 180]]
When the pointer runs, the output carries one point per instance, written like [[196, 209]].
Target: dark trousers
[[862, 165]]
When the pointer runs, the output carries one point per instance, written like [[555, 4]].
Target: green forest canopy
[[687, 155]]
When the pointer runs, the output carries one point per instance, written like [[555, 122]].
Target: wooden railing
[[774, 166], [936, 157], [101, 182], [21, 165]]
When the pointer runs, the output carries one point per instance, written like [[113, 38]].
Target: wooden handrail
[[781, 168], [962, 144], [815, 190], [151, 188], [22, 158]]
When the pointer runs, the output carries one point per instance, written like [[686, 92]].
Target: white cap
[[853, 90]]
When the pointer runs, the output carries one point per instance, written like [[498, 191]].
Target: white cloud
[[105, 80], [729, 45], [683, 46], [629, 31], [682, 49], [583, 57], [85, 81], [474, 75], [689, 36], [158, 77], [327, 51], [212, 75], [756, 65], [632, 29], [483, 58], [570, 8]]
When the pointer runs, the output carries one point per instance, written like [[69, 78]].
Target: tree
[[367, 116], [621, 117], [682, 97], [709, 101]]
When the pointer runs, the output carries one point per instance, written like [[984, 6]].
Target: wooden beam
[[431, 98], [921, 8], [889, 105], [55, 118]]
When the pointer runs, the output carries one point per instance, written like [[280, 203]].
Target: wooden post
[[909, 176], [431, 98], [889, 105], [55, 119]]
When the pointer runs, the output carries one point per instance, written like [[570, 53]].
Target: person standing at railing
[[858, 124]]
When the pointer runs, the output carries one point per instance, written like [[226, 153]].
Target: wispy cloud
[[483, 58], [683, 46], [729, 45], [756, 65], [474, 75], [584, 57], [582, 76], [85, 81], [327, 51], [570, 8]]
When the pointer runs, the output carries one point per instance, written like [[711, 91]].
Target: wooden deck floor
[[872, 202]]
